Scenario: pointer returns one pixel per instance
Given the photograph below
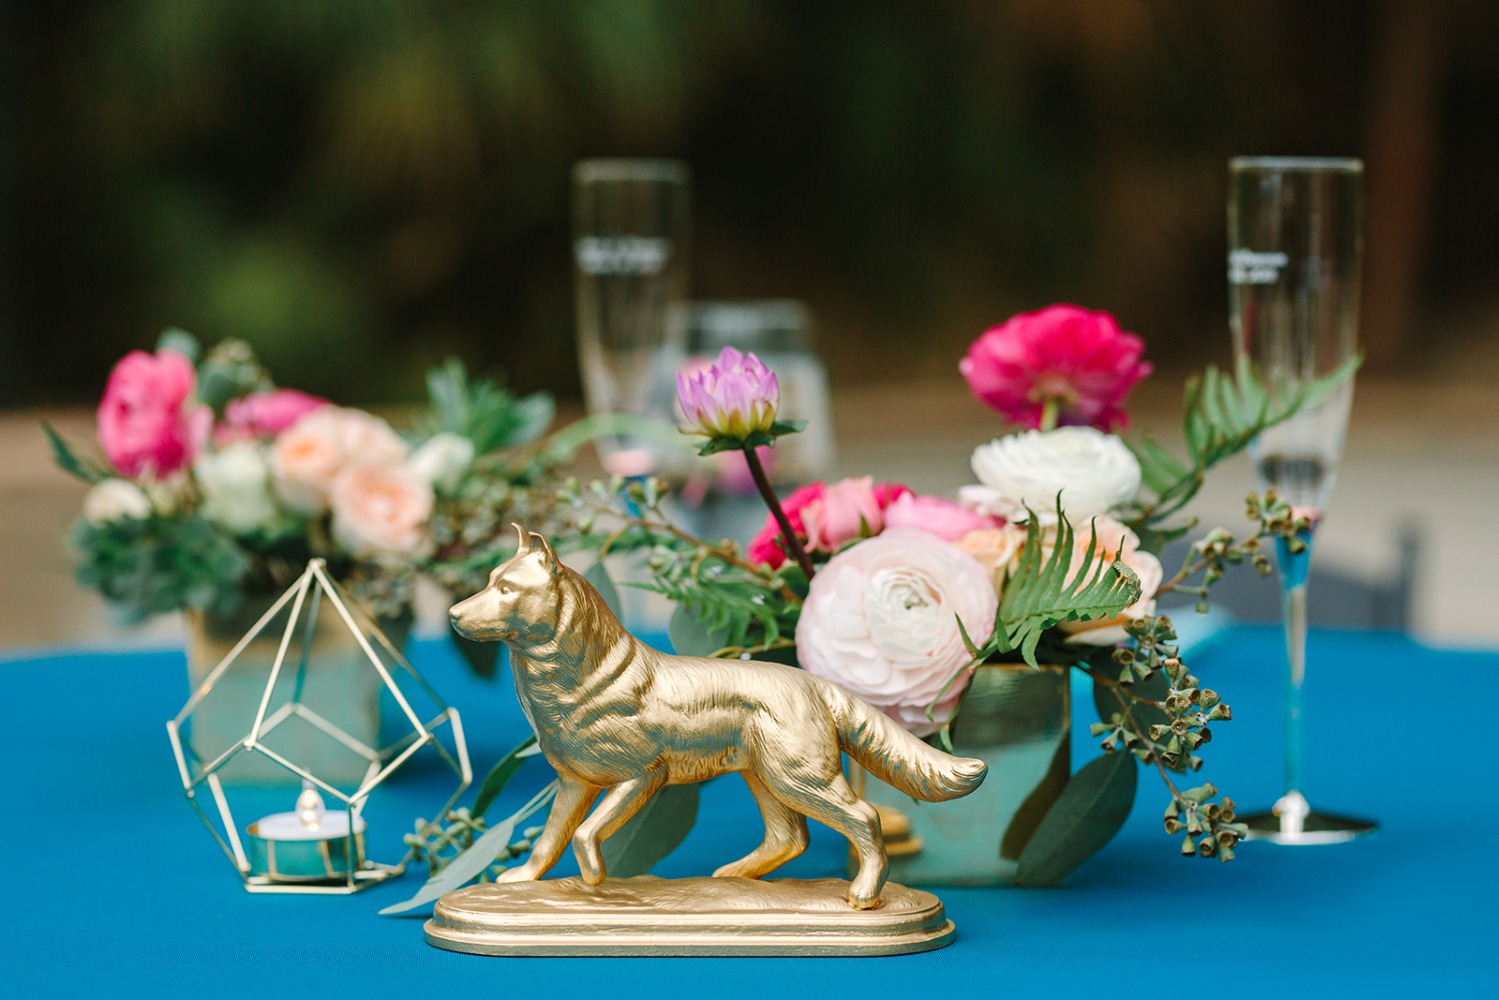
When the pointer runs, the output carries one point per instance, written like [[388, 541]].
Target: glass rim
[[629, 169], [1348, 164]]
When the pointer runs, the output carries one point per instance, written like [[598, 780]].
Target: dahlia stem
[[793, 543]]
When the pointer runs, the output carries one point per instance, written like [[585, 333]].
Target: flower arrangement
[[211, 483], [1053, 557]]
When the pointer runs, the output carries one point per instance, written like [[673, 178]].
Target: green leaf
[[1037, 804], [715, 445], [1090, 811], [499, 776], [481, 410], [179, 340], [692, 636], [1159, 469], [653, 833], [462, 869], [598, 575], [68, 460]]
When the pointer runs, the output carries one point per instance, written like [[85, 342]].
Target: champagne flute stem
[[1293, 579], [1293, 601]]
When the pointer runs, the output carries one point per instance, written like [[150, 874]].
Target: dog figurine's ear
[[523, 545], [548, 557]]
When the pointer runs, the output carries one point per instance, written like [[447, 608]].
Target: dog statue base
[[649, 916]]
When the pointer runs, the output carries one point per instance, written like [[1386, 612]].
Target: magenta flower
[[1077, 361], [265, 414], [732, 400], [149, 422], [825, 516]]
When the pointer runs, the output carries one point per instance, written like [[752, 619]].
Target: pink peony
[[826, 516], [380, 509], [938, 515], [265, 414], [1079, 357], [881, 619], [148, 421], [734, 397]]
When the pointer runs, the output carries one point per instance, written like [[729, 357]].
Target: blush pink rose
[[309, 455], [265, 414], [380, 509], [765, 547], [148, 421], [938, 515], [881, 620], [1077, 356]]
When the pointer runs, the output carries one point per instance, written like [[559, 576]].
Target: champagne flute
[[1295, 239], [630, 232]]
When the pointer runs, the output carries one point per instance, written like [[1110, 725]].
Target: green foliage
[[1222, 414], [691, 636], [69, 461], [487, 414], [474, 860], [1044, 591], [758, 439], [231, 370], [499, 776], [159, 564], [1090, 810], [653, 833], [179, 340]]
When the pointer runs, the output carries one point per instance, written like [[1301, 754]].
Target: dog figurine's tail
[[893, 755]]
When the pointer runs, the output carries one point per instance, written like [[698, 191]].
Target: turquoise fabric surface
[[113, 888]]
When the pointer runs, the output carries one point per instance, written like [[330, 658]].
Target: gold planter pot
[[1018, 721]]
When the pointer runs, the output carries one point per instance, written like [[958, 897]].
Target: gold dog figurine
[[618, 718]]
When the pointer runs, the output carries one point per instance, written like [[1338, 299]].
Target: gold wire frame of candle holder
[[313, 586]]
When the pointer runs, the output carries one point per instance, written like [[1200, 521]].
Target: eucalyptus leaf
[[1086, 816], [464, 868], [653, 833], [692, 636], [499, 776], [1037, 804], [179, 340], [598, 575]]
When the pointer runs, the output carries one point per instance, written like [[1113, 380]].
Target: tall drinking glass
[[1295, 239], [631, 223]]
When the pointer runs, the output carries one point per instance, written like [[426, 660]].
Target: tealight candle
[[308, 844]]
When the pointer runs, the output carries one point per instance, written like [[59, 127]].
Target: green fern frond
[[1039, 595]]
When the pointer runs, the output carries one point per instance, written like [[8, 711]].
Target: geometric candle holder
[[292, 723]]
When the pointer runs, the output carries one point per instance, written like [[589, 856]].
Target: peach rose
[[380, 509], [996, 549], [309, 455]]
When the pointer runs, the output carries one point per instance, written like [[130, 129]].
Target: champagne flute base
[[1292, 822]]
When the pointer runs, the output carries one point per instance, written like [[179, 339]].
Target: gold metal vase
[[1017, 720]]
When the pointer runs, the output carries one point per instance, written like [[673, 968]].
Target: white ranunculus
[[443, 459], [881, 620], [236, 486], [115, 500], [1094, 473]]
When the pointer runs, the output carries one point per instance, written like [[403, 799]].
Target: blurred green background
[[362, 187]]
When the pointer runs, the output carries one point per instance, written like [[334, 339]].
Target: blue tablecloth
[[113, 887]]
